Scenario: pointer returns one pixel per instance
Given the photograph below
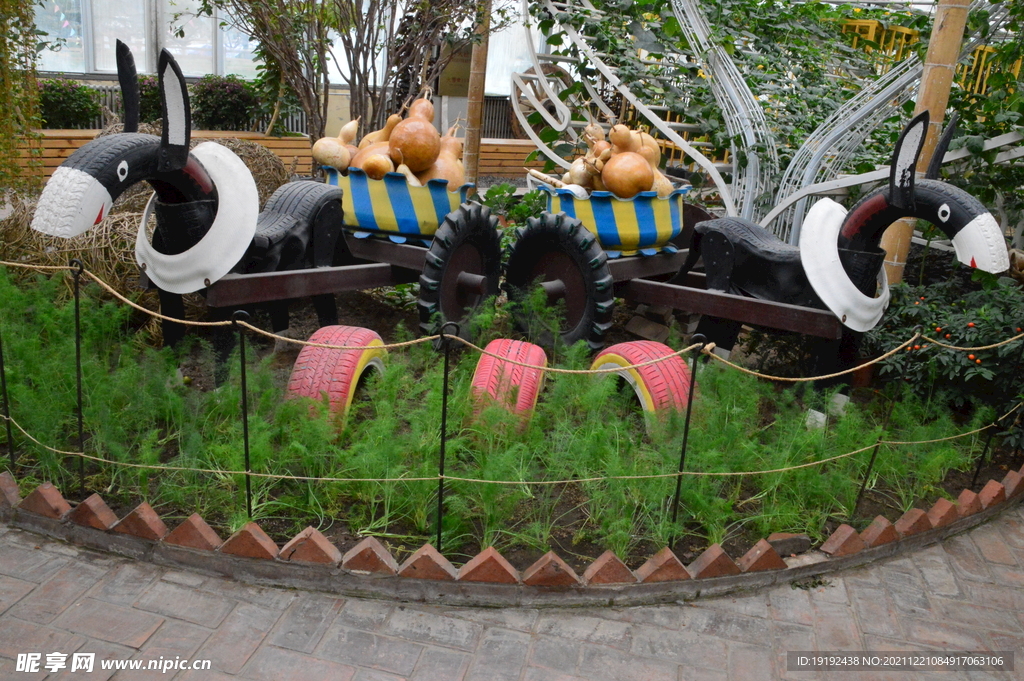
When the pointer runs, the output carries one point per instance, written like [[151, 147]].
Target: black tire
[[558, 248], [467, 242], [317, 206]]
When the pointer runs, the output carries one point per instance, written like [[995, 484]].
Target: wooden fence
[[498, 157]]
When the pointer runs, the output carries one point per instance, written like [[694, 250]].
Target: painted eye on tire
[[944, 212], [122, 170]]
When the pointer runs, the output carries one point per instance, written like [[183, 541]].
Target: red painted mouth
[[99, 216]]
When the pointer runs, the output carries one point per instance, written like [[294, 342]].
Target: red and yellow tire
[[336, 373], [661, 386], [512, 386]]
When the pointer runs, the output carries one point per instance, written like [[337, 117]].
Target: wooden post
[[475, 105], [936, 80]]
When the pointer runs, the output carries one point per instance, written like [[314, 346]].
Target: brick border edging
[[332, 578]]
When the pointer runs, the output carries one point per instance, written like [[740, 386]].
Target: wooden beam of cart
[[805, 320], [244, 289]]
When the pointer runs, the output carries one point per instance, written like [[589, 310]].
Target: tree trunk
[[475, 105], [939, 69]]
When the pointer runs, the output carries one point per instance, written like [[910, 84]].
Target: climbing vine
[[18, 90]]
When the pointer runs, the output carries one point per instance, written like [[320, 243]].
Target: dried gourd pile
[[411, 146], [624, 164]]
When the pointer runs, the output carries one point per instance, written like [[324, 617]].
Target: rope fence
[[700, 344], [427, 339], [434, 478]]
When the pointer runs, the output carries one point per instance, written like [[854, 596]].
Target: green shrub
[[66, 104], [222, 103], [977, 318], [150, 104]]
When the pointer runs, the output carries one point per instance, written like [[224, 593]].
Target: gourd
[[377, 166], [382, 135], [374, 160], [336, 151], [622, 140], [415, 141], [627, 173], [409, 175], [448, 165]]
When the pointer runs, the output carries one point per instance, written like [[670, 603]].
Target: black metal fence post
[[7, 407], [992, 427], [881, 435], [241, 316], [77, 274], [446, 346], [696, 338]]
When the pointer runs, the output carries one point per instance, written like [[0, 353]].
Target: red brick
[[942, 513], [9, 494], [369, 555], [608, 569], [714, 562], [761, 556], [789, 543], [195, 534], [1013, 483], [93, 512], [991, 494], [427, 563], [46, 500], [489, 566], [912, 522], [142, 522], [968, 503], [843, 542], [250, 542], [311, 546], [550, 570], [879, 532], [662, 567]]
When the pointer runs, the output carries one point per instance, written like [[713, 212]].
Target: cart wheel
[[512, 386], [661, 386], [461, 268], [336, 372], [571, 266]]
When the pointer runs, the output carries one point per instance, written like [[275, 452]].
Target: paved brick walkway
[[965, 594]]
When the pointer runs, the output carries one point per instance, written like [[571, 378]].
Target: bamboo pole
[[936, 81], [475, 105]]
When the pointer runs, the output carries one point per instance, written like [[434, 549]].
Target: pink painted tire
[[512, 386], [336, 373], [660, 387]]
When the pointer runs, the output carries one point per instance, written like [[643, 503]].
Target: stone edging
[[310, 561]]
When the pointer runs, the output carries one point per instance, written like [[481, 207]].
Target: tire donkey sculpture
[[838, 263], [205, 201]]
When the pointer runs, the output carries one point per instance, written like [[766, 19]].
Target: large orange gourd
[[626, 174], [415, 141]]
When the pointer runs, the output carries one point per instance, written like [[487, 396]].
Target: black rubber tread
[[472, 224], [302, 198], [101, 152], [273, 226], [300, 203], [559, 232]]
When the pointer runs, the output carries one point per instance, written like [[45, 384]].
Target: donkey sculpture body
[[838, 263], [208, 221]]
